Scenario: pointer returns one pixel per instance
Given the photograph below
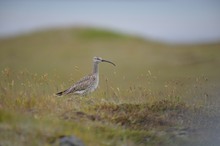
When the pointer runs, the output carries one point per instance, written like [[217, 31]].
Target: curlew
[[88, 83]]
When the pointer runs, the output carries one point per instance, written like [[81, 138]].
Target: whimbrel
[[87, 84]]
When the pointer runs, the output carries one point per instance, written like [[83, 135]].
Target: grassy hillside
[[158, 94]]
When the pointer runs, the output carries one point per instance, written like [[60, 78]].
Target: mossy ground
[[159, 94]]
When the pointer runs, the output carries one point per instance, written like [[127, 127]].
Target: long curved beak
[[108, 62]]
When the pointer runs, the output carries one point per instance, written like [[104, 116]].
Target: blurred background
[[163, 50], [155, 44], [167, 21]]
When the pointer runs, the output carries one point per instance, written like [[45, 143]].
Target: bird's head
[[99, 59]]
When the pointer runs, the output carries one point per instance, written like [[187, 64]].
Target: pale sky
[[164, 20]]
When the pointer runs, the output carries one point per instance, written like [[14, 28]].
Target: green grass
[[158, 94], [29, 117]]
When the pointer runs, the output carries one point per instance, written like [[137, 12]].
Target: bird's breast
[[96, 82]]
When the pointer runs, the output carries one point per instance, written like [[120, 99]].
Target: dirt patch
[[160, 114], [143, 116]]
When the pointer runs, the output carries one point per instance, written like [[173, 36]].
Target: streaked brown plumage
[[87, 84]]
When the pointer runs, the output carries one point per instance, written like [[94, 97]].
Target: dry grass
[[159, 94], [31, 115]]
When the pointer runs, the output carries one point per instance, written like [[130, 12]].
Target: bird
[[88, 83]]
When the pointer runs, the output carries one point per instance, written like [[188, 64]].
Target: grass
[[35, 119], [31, 115], [159, 94]]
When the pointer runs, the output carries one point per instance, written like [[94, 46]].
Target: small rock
[[70, 141]]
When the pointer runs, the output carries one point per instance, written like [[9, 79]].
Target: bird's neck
[[95, 68]]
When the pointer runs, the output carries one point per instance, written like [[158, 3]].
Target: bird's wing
[[82, 84]]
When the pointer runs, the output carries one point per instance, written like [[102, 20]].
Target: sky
[[175, 21]]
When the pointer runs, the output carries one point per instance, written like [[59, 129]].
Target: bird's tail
[[61, 93]]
